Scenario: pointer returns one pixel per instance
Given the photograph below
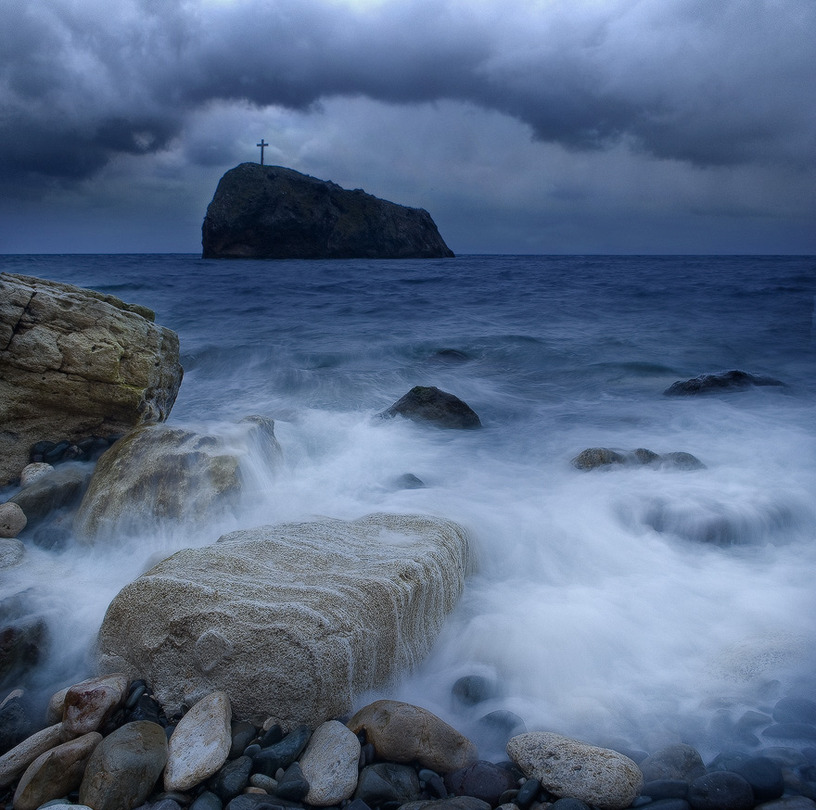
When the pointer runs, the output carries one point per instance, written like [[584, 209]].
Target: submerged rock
[[595, 457], [157, 473], [74, 363], [292, 621], [720, 382], [429, 404], [270, 212]]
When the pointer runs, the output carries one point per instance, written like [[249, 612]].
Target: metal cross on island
[[262, 144]]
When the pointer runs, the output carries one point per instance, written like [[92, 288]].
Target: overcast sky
[[523, 126]]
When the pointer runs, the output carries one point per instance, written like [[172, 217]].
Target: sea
[[641, 605]]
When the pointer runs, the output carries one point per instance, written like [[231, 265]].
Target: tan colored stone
[[76, 363], [292, 621], [573, 769], [15, 761], [89, 704], [56, 706], [55, 773], [401, 732], [200, 743]]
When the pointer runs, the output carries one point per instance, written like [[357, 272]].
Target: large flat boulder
[[291, 621], [270, 212], [76, 363]]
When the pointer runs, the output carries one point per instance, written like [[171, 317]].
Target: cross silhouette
[[262, 144]]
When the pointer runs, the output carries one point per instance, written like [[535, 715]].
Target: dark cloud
[[705, 83]]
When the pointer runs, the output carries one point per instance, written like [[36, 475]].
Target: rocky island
[[270, 212]]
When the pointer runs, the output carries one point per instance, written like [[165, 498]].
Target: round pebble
[[721, 790], [12, 520]]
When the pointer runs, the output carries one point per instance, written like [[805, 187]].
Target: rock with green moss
[[270, 212]]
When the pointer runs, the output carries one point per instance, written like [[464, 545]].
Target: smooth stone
[[764, 776], [329, 764], [573, 769], [55, 773], [788, 803], [264, 782], [87, 705], [12, 520], [243, 734], [790, 731], [34, 471], [62, 488], [232, 778], [795, 710], [499, 726], [15, 761], [12, 552], [207, 801], [668, 804], [666, 789], [484, 780], [388, 782], [409, 481], [453, 803], [200, 743], [594, 457], [124, 768], [569, 804], [472, 689], [272, 735], [721, 790], [15, 722], [401, 732], [292, 786], [282, 754], [679, 761], [527, 793], [255, 801], [681, 461]]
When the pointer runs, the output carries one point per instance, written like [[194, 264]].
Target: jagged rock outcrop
[[291, 621], [270, 212], [76, 363]]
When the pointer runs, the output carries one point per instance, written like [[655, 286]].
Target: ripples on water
[[624, 603]]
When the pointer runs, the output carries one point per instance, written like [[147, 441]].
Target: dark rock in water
[[388, 782], [293, 785], [62, 488], [15, 720], [764, 776], [678, 761], [429, 404], [715, 383], [207, 801], [270, 212], [666, 789], [795, 710], [499, 726], [472, 689], [484, 780], [527, 793], [594, 457], [231, 779], [409, 481], [790, 731], [283, 753], [23, 639], [243, 733], [721, 790]]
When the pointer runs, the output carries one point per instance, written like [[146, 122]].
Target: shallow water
[[630, 603]]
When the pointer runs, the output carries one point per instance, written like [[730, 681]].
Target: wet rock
[[401, 732], [232, 778], [720, 382], [409, 481], [283, 753], [721, 790], [124, 768], [795, 710], [207, 801], [33, 472], [497, 727], [243, 733], [12, 552], [678, 761], [572, 769], [790, 731], [764, 776], [23, 639], [429, 404], [666, 789], [387, 782], [472, 689], [292, 786], [484, 780], [594, 457], [681, 461], [17, 759], [452, 803], [87, 705], [74, 363], [12, 520], [200, 743], [527, 793], [191, 622], [329, 764], [570, 804], [788, 803], [55, 773], [61, 489], [15, 722]]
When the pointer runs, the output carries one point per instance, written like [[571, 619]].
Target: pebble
[[207, 801], [292, 786], [55, 773], [472, 689], [764, 776], [401, 732], [721, 790], [329, 764], [87, 705], [666, 789], [283, 753], [573, 769], [124, 767], [243, 734], [232, 778], [388, 782], [200, 743], [12, 520], [15, 761], [484, 780]]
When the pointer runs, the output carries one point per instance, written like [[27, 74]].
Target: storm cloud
[[705, 83]]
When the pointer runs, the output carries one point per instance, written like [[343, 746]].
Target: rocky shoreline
[[111, 746]]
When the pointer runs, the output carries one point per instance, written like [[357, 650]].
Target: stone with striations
[[401, 732], [55, 773], [329, 764], [124, 767], [573, 769], [200, 743], [270, 212], [76, 363], [292, 621], [87, 705]]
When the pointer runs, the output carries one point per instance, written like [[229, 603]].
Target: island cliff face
[[269, 212]]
